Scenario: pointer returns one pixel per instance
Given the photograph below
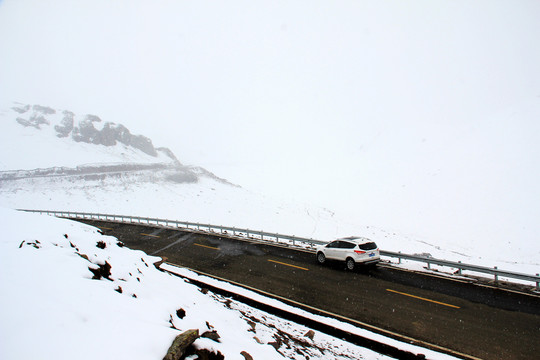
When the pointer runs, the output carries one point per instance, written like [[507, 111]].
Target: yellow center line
[[206, 246], [106, 228], [150, 235], [294, 266], [421, 298]]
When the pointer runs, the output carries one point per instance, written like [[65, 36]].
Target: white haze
[[420, 116]]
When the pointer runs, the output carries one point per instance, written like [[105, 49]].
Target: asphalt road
[[483, 322]]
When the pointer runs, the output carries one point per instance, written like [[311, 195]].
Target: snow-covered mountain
[[58, 160], [45, 142]]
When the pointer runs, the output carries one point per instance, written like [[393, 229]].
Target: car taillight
[[359, 252]]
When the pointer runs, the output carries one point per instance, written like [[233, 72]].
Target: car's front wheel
[[321, 258], [350, 264]]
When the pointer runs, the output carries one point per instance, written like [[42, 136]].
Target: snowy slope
[[53, 305], [160, 186]]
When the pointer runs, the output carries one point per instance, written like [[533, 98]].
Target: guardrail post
[[459, 269], [496, 275], [537, 284], [399, 258]]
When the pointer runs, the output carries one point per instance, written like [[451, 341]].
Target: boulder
[[181, 343]]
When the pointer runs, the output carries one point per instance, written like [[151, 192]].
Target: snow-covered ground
[[50, 303], [209, 200], [48, 295]]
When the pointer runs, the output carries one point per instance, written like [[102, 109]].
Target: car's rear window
[[368, 246]]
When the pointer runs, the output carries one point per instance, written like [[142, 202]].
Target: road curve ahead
[[482, 322]]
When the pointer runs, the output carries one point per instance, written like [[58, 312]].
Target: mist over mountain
[[133, 158], [59, 160]]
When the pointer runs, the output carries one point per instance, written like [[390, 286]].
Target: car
[[352, 250]]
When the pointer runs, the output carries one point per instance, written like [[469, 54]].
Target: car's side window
[[333, 245], [347, 245]]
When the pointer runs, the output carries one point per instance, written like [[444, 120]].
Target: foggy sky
[[413, 113]]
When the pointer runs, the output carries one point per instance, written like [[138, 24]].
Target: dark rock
[[246, 355], [310, 334], [204, 354], [86, 132], [144, 144], [34, 121], [66, 126], [181, 313], [180, 344], [101, 244], [102, 271], [212, 335], [171, 321], [122, 134], [119, 289], [107, 136]]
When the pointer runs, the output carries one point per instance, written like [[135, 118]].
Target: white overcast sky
[[417, 111]]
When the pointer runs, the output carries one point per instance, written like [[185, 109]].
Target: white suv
[[353, 250]]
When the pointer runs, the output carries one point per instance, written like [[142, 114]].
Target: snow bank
[[52, 304]]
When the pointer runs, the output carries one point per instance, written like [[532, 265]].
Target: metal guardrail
[[469, 267], [285, 240]]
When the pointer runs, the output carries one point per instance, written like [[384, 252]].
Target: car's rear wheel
[[350, 264], [321, 258]]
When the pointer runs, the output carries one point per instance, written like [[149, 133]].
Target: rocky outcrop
[[85, 130], [110, 135], [89, 129]]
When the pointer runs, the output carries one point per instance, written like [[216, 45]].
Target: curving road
[[474, 321]]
